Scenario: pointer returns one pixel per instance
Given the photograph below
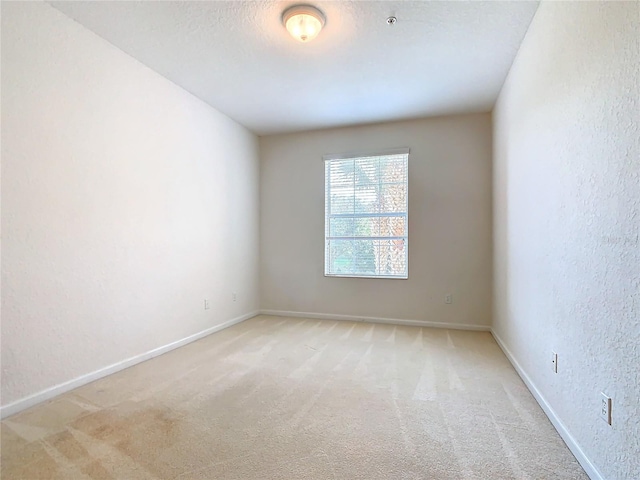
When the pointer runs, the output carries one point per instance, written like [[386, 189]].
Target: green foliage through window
[[366, 216]]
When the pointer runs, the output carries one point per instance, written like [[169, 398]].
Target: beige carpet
[[276, 398]]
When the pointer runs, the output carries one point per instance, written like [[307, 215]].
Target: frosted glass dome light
[[303, 22]]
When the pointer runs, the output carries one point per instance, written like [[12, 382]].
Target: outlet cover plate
[[605, 408]]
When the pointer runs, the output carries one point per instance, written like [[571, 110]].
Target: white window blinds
[[366, 231]]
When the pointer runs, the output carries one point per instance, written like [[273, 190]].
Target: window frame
[[364, 154]]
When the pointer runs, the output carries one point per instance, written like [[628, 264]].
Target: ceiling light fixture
[[303, 22]]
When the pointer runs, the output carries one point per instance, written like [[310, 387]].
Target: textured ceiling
[[439, 58]]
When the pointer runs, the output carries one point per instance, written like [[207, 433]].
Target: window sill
[[365, 276]]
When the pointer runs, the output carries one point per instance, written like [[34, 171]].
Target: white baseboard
[[575, 448], [392, 321], [47, 394]]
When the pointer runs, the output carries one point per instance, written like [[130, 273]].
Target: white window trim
[[359, 154], [366, 153]]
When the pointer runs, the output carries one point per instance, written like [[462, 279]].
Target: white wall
[[126, 202], [449, 222], [567, 221]]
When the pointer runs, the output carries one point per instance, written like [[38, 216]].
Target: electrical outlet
[[234, 296], [554, 362], [605, 408], [206, 304], [448, 299]]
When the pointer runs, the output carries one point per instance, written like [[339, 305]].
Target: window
[[366, 200]]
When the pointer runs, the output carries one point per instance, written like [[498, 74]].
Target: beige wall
[[567, 222], [125, 203], [449, 222]]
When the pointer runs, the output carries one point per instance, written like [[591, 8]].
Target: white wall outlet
[[234, 296], [206, 304], [448, 299], [554, 362], [605, 408]]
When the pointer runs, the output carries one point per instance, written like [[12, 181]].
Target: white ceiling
[[441, 57]]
